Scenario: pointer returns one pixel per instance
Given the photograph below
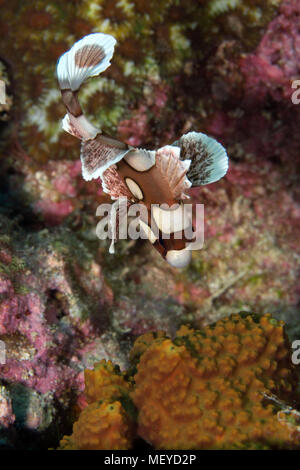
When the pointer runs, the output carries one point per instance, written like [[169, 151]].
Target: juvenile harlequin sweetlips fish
[[149, 177]]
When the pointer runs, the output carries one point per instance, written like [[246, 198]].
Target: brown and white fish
[[146, 177]]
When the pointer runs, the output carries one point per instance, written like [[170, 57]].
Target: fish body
[[158, 179]]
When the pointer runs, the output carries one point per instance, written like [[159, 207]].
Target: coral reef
[[222, 67], [53, 191], [137, 75], [206, 389], [53, 314], [253, 92]]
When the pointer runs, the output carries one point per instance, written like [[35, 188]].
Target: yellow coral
[[67, 443], [101, 426], [205, 389], [104, 382], [143, 342]]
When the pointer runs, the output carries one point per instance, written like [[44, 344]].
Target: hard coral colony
[[206, 389], [151, 178]]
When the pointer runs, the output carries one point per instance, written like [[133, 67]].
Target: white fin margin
[[70, 75], [79, 127], [210, 157], [88, 176]]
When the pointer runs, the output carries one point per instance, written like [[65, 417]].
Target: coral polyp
[[104, 381]]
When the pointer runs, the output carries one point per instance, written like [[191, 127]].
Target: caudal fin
[[87, 58]]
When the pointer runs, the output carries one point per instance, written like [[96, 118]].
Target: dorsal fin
[[173, 170], [100, 153]]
